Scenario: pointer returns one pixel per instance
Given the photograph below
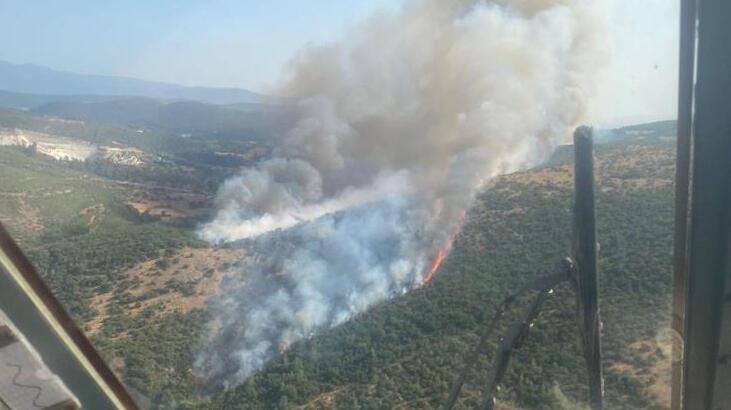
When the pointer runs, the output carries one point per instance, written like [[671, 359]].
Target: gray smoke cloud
[[387, 137]]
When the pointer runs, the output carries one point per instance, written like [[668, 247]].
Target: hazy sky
[[640, 82], [245, 43]]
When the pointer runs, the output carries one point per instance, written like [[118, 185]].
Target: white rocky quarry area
[[71, 149]]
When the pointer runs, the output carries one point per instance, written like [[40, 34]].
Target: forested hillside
[[123, 259], [407, 352], [118, 245]]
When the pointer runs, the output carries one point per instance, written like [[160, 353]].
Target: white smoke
[[243, 195], [389, 135]]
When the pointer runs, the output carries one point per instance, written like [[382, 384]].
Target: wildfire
[[442, 252]]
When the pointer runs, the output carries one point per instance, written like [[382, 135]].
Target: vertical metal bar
[[722, 392], [585, 255], [710, 208], [686, 69]]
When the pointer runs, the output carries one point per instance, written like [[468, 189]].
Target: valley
[[353, 205], [116, 240], [405, 353]]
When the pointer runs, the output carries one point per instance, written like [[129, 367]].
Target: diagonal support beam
[[510, 342], [63, 347], [543, 283]]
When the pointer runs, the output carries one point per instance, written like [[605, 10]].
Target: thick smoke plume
[[387, 136]]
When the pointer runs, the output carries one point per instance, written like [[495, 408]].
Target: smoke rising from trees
[[387, 136]]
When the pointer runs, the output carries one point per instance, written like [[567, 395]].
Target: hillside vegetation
[[117, 244], [407, 352], [126, 277]]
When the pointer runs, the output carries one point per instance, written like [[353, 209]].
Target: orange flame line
[[441, 254]]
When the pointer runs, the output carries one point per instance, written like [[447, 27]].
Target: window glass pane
[[319, 205]]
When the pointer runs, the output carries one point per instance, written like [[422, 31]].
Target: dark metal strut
[[542, 284], [706, 377], [585, 255]]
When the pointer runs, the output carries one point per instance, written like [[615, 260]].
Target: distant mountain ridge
[[26, 102], [33, 79], [184, 117]]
